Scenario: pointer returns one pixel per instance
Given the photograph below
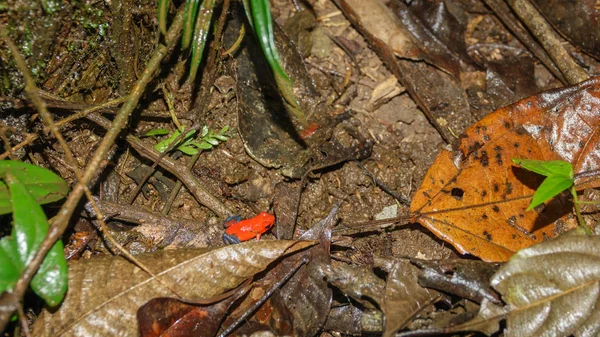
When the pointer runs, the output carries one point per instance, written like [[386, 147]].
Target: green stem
[[576, 204]]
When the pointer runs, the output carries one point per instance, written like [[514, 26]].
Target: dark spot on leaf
[[442, 181], [495, 209], [521, 131], [484, 193], [507, 125], [516, 145], [521, 215], [457, 193], [508, 188], [499, 158], [486, 138], [485, 161], [496, 187], [487, 235], [484, 128], [484, 216]]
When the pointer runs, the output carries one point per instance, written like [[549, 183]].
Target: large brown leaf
[[474, 198], [105, 293]]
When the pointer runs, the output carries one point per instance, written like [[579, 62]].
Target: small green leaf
[[157, 132], [204, 145], [546, 167], [163, 10], [187, 149], [44, 185], [30, 228], [550, 187], [221, 138], [559, 177], [212, 141], [224, 129], [163, 145], [189, 136], [204, 131]]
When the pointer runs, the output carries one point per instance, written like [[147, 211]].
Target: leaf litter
[[105, 302]]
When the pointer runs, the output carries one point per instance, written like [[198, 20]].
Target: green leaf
[[163, 10], [212, 141], [203, 145], [189, 18], [187, 149], [550, 187], [546, 167], [221, 137], [30, 228], [157, 132], [224, 129], [163, 145], [204, 131], [200, 36], [263, 27], [43, 185], [10, 262]]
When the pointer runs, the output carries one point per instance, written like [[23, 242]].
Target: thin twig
[[402, 199], [175, 191], [120, 121]]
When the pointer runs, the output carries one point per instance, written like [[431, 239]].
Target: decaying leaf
[[105, 293], [474, 198], [172, 317], [400, 297], [404, 298]]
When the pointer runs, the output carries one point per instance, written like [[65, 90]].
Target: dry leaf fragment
[[475, 199], [105, 293]]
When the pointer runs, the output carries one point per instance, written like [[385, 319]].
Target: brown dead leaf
[[404, 298], [475, 198], [105, 293]]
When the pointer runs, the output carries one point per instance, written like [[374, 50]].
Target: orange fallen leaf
[[474, 198]]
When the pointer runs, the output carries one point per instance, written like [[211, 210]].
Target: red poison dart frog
[[238, 230]]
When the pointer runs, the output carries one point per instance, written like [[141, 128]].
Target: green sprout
[[189, 144], [559, 177]]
